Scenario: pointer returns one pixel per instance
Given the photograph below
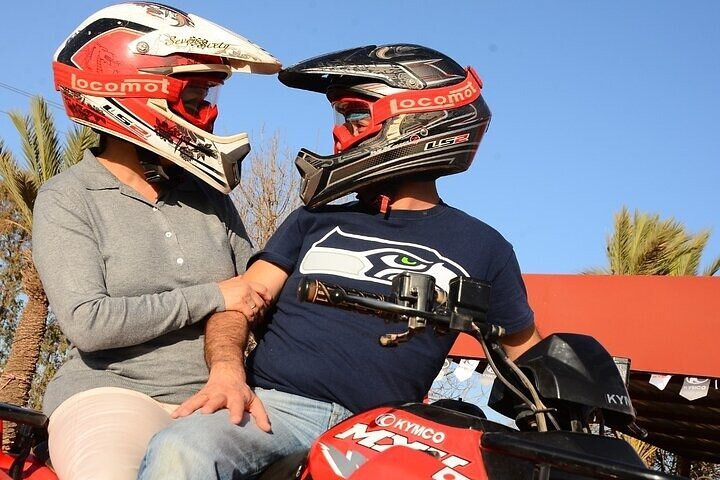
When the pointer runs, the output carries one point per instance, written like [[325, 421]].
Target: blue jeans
[[210, 446]]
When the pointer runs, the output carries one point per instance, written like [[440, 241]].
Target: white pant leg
[[102, 433]]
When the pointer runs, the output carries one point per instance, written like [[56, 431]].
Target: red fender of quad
[[32, 470], [389, 442], [408, 464]]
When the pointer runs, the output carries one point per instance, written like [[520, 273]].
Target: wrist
[[227, 366], [227, 373]]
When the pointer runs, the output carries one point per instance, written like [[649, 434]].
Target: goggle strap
[[117, 86], [418, 101]]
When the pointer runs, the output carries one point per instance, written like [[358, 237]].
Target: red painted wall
[[663, 324]]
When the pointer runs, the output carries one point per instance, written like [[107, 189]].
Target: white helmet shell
[[125, 68]]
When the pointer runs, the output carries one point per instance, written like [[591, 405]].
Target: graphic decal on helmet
[[202, 43], [177, 17], [373, 259]]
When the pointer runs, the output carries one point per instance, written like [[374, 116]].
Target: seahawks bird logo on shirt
[[376, 259]]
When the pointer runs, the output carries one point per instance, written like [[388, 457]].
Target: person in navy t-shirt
[[406, 116]]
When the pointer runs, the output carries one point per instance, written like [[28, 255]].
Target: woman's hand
[[252, 299]]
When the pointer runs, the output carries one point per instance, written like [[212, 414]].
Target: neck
[[121, 159], [421, 195]]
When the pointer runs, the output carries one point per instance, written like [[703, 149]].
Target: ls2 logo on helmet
[[444, 142]]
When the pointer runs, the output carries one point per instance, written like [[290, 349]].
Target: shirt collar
[[97, 177]]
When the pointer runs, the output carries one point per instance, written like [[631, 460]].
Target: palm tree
[[646, 245], [44, 157]]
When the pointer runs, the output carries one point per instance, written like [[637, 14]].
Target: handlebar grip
[[316, 291]]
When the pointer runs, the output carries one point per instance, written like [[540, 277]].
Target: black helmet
[[421, 116]]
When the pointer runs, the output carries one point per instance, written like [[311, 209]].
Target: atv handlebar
[[415, 299], [32, 429], [23, 416]]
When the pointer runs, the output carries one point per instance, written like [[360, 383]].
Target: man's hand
[[226, 388]]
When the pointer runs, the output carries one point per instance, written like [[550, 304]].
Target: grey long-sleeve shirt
[[131, 281]]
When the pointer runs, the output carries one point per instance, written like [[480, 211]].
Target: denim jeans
[[201, 446]]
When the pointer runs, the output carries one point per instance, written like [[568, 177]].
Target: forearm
[[226, 337], [101, 322], [518, 343]]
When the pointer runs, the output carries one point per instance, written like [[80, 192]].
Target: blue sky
[[595, 105]]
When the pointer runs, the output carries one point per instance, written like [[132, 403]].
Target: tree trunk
[[16, 379]]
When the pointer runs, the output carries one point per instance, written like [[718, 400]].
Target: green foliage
[[42, 154], [646, 245]]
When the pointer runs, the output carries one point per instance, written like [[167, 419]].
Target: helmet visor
[[353, 122], [354, 114], [197, 102]]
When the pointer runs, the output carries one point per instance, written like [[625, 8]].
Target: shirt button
[[155, 209], [168, 234], [180, 261]]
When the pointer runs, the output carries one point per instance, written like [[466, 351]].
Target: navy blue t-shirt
[[334, 355]]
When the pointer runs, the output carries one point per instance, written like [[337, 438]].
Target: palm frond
[[44, 157], [647, 245], [48, 161], [15, 183], [656, 246], [690, 254], [596, 271], [27, 135], [644, 450], [77, 141], [713, 268], [618, 249]]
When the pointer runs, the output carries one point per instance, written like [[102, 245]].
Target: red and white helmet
[[149, 74]]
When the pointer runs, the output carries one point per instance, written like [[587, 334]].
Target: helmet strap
[[380, 198], [154, 172], [384, 204], [381, 203]]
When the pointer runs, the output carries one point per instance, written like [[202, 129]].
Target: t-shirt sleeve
[[283, 248], [509, 305]]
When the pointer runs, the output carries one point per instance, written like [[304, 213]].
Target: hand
[[250, 298], [226, 388]]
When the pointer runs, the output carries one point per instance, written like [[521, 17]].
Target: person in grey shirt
[[138, 244]]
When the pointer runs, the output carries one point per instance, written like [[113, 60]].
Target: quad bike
[[562, 393]]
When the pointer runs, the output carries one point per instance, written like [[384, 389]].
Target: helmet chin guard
[[148, 73], [405, 112]]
